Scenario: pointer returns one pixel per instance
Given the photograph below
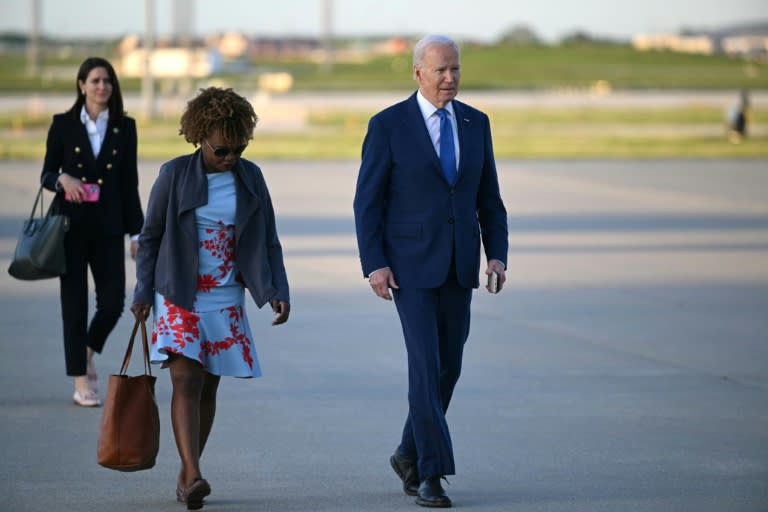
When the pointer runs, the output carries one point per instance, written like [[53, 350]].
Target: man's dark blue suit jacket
[[409, 218]]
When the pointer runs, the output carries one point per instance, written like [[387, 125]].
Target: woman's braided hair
[[218, 109]]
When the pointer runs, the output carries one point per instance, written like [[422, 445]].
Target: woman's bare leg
[[188, 379]]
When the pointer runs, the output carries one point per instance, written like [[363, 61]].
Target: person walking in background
[[209, 234], [90, 162], [427, 192], [738, 118]]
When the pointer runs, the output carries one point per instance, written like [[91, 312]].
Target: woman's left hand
[[281, 309]]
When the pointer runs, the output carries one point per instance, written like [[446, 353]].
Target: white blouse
[[96, 130]]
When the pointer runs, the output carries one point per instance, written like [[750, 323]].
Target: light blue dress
[[216, 332]]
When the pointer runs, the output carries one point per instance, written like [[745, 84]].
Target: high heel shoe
[[194, 494], [86, 399]]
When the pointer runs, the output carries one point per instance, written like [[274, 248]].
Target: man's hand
[[498, 267], [281, 309], [134, 249], [381, 281]]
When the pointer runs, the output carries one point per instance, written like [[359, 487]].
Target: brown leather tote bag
[[130, 425]]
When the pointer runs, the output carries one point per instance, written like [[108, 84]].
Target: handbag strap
[[38, 199], [129, 349]]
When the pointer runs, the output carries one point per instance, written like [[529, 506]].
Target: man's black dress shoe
[[408, 473], [431, 494]]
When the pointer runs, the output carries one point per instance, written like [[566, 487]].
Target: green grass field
[[483, 68], [696, 132], [541, 67], [693, 131]]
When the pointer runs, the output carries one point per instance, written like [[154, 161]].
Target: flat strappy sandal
[[194, 494]]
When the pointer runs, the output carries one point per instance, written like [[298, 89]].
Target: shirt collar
[[102, 117], [428, 109]]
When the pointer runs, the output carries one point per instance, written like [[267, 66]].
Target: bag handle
[[129, 349], [41, 199], [38, 199]]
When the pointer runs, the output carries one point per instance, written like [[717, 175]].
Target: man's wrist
[[501, 263], [370, 276]]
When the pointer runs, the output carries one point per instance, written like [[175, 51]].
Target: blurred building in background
[[674, 42], [747, 41], [169, 59], [754, 47]]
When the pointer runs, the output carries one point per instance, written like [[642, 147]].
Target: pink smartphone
[[92, 192]]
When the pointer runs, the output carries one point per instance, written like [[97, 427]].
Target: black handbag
[[40, 248]]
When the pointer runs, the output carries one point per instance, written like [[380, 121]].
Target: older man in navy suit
[[427, 193]]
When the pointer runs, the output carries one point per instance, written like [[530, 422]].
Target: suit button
[[77, 149], [100, 181], [450, 220], [114, 151], [109, 166], [79, 166]]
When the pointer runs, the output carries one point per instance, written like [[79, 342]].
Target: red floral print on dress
[[183, 325], [206, 282], [213, 348], [221, 246]]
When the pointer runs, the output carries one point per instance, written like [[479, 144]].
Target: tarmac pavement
[[624, 367]]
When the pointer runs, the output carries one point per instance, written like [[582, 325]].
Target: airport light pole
[[33, 46], [327, 23], [148, 80]]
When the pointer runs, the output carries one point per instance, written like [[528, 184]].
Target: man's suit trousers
[[435, 325]]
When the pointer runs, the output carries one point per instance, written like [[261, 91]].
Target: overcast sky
[[483, 20]]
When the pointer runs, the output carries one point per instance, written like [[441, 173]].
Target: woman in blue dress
[[208, 235]]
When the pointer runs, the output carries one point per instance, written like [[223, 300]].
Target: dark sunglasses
[[224, 151]]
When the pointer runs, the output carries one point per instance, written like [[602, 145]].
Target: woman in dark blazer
[[90, 162]]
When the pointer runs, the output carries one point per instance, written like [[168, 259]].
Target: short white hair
[[431, 40]]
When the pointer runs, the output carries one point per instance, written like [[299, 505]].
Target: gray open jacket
[[167, 261]]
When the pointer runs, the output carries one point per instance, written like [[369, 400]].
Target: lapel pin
[[466, 120]]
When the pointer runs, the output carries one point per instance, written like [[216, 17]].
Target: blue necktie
[[447, 150]]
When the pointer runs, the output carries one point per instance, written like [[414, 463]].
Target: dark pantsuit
[[435, 326], [96, 237], [105, 256]]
